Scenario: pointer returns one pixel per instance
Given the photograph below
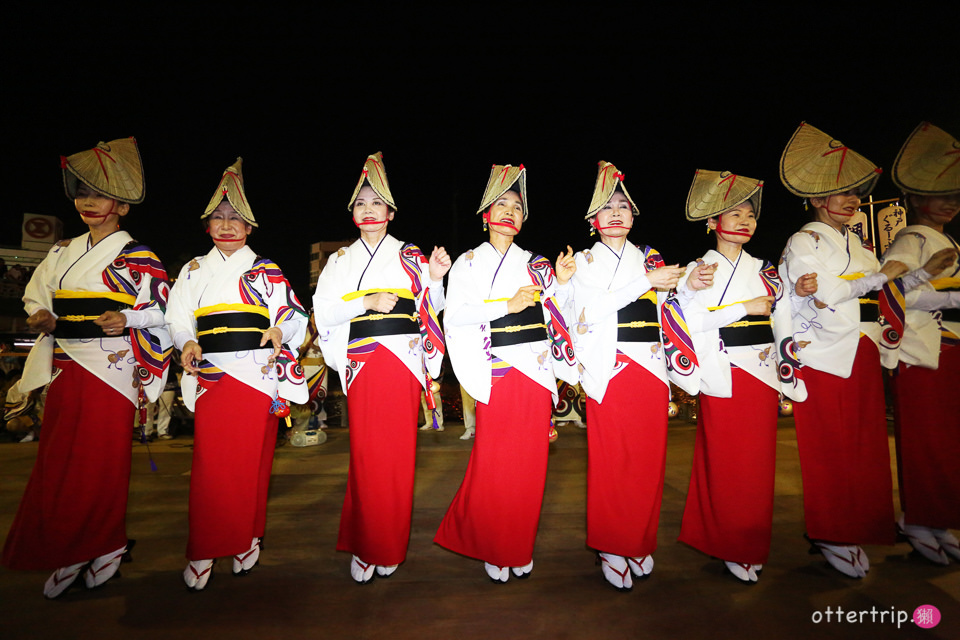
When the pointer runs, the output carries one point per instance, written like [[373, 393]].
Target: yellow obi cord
[[518, 327], [536, 298], [231, 307], [945, 283], [747, 323], [724, 306], [124, 298], [402, 293], [385, 316]]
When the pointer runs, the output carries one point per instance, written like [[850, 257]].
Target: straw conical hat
[[607, 180], [503, 177], [928, 163], [111, 168], [714, 192], [815, 165], [375, 175], [231, 188]]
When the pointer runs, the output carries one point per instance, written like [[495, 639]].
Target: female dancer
[[841, 428], [620, 304], [376, 309], [745, 364], [507, 342], [237, 323], [926, 402], [98, 300]]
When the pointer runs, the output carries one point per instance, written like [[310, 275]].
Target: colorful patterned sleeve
[[416, 265], [789, 367], [265, 285], [138, 271], [561, 346]]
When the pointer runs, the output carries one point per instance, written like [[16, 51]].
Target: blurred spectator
[[469, 414], [21, 410]]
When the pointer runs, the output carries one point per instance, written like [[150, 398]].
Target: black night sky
[[444, 94]]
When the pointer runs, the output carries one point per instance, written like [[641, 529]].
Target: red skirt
[[845, 454], [496, 512], [383, 402], [729, 510], [234, 441], [75, 505], [927, 410], [627, 453]]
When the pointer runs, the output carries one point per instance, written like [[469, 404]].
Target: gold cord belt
[[518, 327], [384, 316], [219, 330], [638, 324], [746, 323]]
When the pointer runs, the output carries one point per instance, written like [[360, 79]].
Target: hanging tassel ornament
[[142, 419], [428, 394], [281, 408], [142, 414], [552, 435]]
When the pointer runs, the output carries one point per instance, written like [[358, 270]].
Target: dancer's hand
[[526, 296], [191, 356], [806, 285], [566, 266], [759, 306]]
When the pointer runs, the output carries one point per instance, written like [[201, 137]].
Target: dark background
[[305, 95]]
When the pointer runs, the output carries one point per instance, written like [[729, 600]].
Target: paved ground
[[302, 587]]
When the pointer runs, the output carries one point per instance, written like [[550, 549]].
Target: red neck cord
[[841, 213], [742, 234], [504, 224], [613, 226]]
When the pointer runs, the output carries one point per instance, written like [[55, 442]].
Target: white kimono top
[[826, 325], [120, 267], [482, 281], [774, 363], [240, 279], [924, 326], [603, 284], [359, 270]]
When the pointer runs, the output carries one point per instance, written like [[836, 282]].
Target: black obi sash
[[75, 315], [953, 314], [401, 320], [233, 331], [746, 331], [870, 307], [637, 322], [519, 328]]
